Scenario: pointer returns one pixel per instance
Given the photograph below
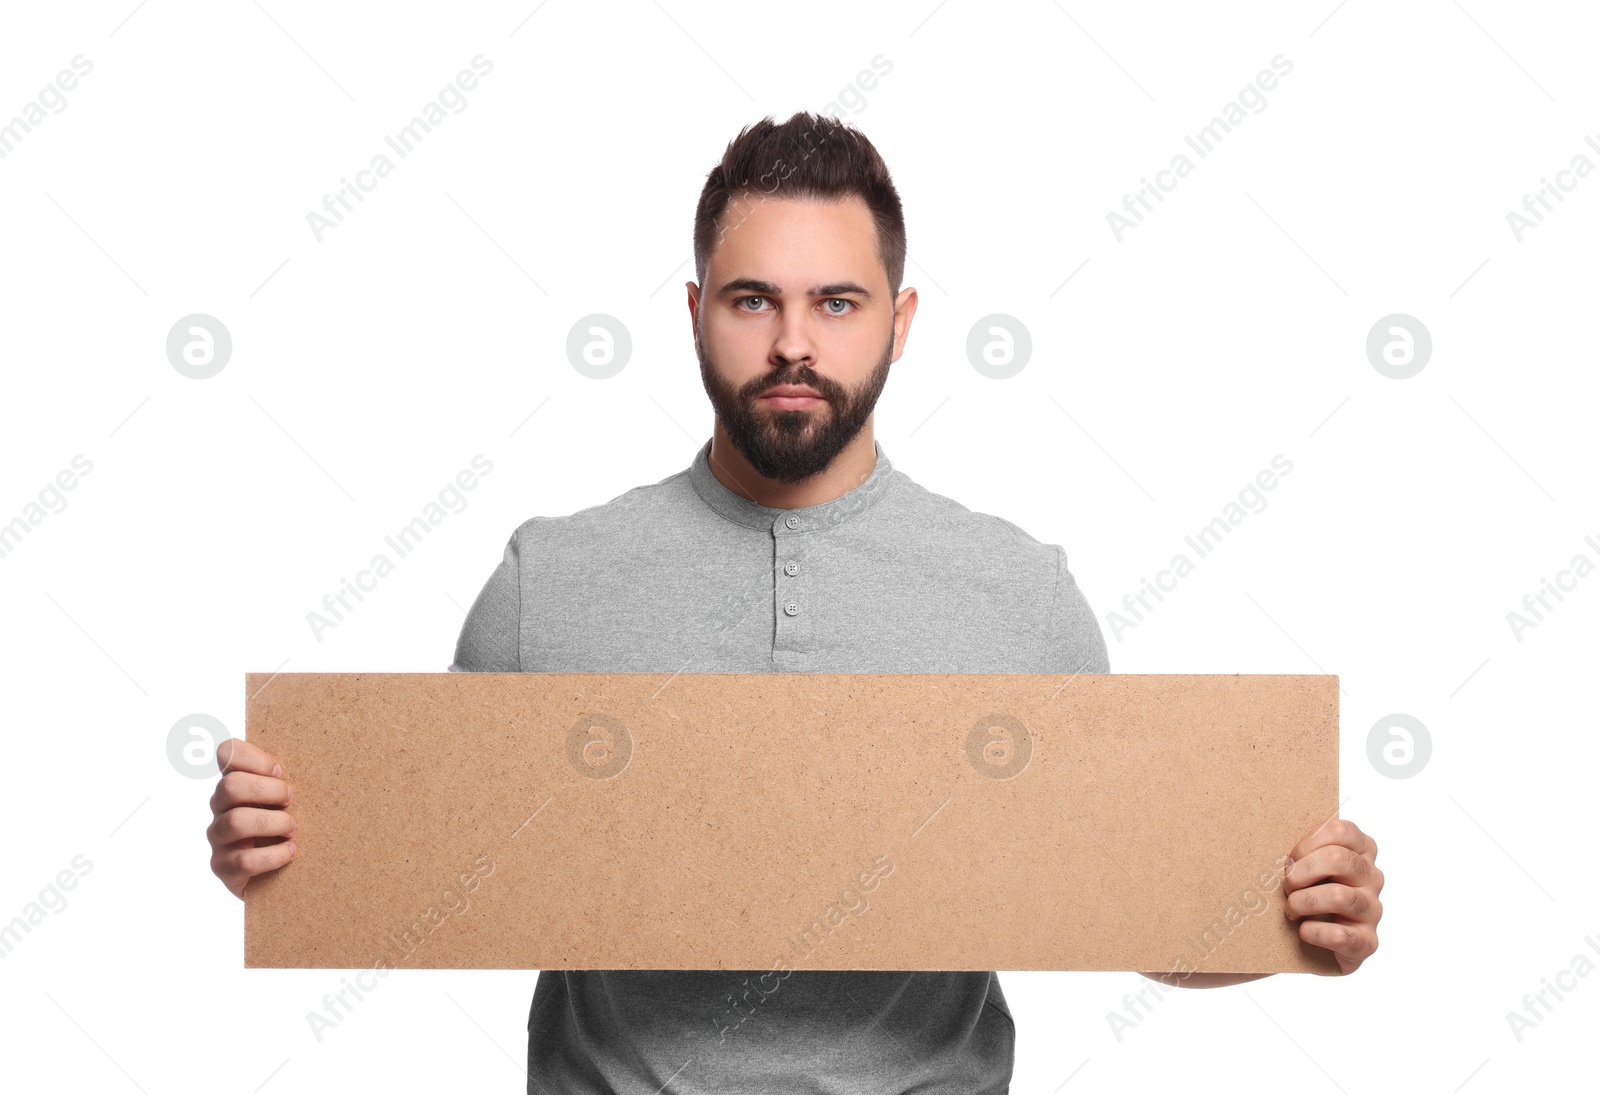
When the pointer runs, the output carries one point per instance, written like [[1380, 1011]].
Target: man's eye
[[744, 300], [839, 300]]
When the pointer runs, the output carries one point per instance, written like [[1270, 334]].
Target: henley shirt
[[684, 575]]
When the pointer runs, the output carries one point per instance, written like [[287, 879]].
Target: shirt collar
[[788, 522]]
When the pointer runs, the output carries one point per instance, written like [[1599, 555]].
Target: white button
[[791, 569], [791, 608], [792, 522]]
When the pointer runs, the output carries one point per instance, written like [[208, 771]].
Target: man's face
[[795, 297]]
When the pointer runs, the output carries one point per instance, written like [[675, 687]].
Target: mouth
[[785, 397]]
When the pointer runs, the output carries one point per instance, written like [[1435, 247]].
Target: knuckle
[[244, 821], [246, 787], [1355, 863], [227, 827], [251, 863]]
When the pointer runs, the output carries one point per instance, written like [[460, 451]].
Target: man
[[790, 544]]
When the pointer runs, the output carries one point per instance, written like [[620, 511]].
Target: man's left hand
[[1335, 879]]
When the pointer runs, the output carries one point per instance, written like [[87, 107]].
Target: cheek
[[857, 355], [738, 350]]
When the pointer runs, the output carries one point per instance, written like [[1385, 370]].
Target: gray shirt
[[684, 575]]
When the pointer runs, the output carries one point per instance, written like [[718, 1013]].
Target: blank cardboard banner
[[792, 820]]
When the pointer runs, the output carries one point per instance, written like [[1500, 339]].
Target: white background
[[368, 368]]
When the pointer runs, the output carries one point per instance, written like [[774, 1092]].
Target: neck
[[849, 470]]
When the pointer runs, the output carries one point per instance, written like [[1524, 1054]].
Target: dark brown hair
[[810, 156]]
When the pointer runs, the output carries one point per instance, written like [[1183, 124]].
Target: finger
[[236, 865], [1336, 830], [1349, 903], [244, 789], [1330, 863], [238, 755], [1352, 944], [249, 821]]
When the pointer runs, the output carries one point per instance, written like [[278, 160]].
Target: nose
[[793, 342]]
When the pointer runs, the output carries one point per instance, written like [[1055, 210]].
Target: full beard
[[788, 446]]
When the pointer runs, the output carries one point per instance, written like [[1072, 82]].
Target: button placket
[[792, 626]]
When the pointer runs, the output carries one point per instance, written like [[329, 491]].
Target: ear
[[905, 306], [693, 292]]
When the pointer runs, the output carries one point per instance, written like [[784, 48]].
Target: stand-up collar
[[824, 515]]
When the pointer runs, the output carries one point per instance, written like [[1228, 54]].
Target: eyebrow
[[766, 288]]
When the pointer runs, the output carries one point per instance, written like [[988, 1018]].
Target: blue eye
[[742, 300], [838, 300]]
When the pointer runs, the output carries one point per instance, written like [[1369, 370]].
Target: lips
[[786, 397]]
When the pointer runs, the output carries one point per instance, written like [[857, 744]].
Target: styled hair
[[810, 156]]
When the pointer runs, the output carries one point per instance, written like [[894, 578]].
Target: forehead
[[787, 240]]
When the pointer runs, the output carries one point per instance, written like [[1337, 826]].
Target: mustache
[[827, 389]]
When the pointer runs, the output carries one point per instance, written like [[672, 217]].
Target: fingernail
[[293, 824], [1288, 867], [277, 770], [293, 851], [288, 792]]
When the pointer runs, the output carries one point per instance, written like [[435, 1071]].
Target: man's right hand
[[250, 826]]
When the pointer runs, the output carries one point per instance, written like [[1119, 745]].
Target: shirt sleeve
[[490, 639], [1074, 632]]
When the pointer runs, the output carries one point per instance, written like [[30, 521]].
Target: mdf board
[[792, 820]]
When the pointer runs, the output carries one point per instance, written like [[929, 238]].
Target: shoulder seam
[[516, 541], [1055, 599]]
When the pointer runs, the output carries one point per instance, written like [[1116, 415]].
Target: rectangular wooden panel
[[798, 820]]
